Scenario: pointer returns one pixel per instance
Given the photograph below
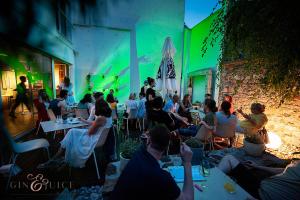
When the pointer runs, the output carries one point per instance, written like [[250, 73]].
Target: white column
[[53, 78], [134, 66]]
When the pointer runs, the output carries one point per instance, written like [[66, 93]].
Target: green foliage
[[128, 147], [265, 35]]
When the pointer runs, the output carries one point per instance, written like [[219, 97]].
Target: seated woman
[[264, 182], [226, 122], [254, 121], [184, 108], [86, 103], [207, 125], [79, 144], [42, 104], [209, 122]]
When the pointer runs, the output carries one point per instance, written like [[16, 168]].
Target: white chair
[[23, 147], [100, 143]]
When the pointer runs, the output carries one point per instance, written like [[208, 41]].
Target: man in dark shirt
[[157, 115], [143, 177]]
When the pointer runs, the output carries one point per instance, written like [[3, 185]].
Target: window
[[63, 24]]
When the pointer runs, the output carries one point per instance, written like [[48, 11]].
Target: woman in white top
[[67, 85], [79, 144], [131, 103]]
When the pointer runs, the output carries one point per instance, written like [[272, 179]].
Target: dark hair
[[157, 102], [44, 96], [208, 95], [225, 106], [150, 80], [110, 98], [102, 108], [23, 78], [97, 95], [86, 99], [67, 81], [175, 96], [142, 94], [259, 107], [185, 99], [63, 93], [229, 97], [211, 104], [160, 137]]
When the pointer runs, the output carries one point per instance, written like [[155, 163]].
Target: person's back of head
[[225, 107], [159, 138], [257, 108], [86, 99], [141, 95], [98, 95], [207, 96], [63, 94], [211, 105], [150, 81], [23, 79], [175, 98], [157, 103], [102, 108]]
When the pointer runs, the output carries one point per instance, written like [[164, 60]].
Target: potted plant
[[254, 145], [127, 149], [197, 149]]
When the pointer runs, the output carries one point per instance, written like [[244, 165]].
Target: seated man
[[264, 182], [143, 178], [156, 114]]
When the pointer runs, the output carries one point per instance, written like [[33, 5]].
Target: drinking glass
[[205, 167], [177, 161]]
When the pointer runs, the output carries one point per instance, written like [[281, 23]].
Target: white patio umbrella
[[166, 76]]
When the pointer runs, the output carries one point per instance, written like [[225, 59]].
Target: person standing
[[144, 88], [21, 96], [67, 85]]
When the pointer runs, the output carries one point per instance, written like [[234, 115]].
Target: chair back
[[51, 114], [133, 113], [10, 139], [103, 137], [83, 113]]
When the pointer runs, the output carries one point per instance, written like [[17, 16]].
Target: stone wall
[[244, 88]]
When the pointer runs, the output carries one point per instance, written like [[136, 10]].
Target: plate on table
[[73, 121]]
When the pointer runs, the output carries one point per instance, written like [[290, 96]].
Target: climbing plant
[[265, 34]]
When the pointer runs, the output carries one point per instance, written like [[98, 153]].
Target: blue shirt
[[169, 106]]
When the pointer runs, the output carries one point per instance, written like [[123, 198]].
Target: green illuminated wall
[[106, 58], [198, 34]]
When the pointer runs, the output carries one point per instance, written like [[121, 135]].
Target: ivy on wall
[[265, 35]]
